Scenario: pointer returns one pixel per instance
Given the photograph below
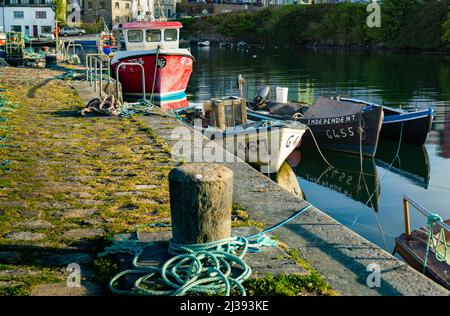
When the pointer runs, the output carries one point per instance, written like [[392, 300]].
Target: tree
[[393, 17], [446, 26], [60, 11]]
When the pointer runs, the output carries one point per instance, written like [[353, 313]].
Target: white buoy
[[282, 94]]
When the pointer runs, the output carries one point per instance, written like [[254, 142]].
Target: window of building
[[41, 15], [89, 5], [116, 5], [101, 5], [153, 35], [16, 28], [47, 29], [13, 1], [25, 1], [135, 36], [117, 18], [127, 6], [170, 35], [18, 14]]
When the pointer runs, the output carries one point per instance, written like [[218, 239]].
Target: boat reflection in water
[[349, 175], [286, 178], [412, 162]]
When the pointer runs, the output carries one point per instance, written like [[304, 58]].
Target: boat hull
[[266, 147], [165, 80], [413, 127], [343, 135], [413, 248]]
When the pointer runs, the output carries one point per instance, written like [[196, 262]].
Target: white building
[[142, 10], [31, 17]]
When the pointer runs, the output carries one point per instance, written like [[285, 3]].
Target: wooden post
[[201, 202], [406, 214]]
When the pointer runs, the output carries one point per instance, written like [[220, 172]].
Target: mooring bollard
[[201, 201]]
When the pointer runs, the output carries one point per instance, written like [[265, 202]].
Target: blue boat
[[409, 127]]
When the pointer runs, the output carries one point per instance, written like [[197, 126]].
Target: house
[[116, 11], [165, 8], [31, 17]]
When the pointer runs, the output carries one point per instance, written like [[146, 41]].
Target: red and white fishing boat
[[167, 68]]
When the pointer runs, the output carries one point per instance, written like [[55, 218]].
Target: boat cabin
[[149, 35]]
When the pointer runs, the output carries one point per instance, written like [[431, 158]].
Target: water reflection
[[409, 162], [349, 175]]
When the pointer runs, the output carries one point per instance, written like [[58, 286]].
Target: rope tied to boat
[[435, 241]]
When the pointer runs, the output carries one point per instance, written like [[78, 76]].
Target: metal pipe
[[101, 78], [423, 211], [96, 74], [142, 74]]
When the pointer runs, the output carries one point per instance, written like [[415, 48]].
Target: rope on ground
[[208, 268], [193, 269], [71, 75], [435, 241]]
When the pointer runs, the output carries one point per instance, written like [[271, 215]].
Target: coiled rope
[[208, 268], [435, 241]]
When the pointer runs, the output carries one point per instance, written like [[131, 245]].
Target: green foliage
[[407, 24], [60, 11], [446, 26], [394, 14], [106, 269], [423, 27]]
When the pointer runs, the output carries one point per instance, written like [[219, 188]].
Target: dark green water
[[367, 199]]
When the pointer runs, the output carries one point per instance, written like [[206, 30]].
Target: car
[[71, 30]]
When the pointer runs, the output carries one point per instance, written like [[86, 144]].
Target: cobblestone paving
[[73, 182]]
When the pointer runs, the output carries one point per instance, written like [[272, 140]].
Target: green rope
[[142, 107], [4, 165], [194, 269], [435, 241]]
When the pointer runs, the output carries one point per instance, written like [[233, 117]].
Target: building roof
[[151, 25]]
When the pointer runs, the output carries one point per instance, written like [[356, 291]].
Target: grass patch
[[288, 285]]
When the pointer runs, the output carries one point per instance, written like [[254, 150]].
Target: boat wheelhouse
[[166, 68]]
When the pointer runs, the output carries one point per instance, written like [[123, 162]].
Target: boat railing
[[74, 47], [407, 201], [123, 64], [95, 71]]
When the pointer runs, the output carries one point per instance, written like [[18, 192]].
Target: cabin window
[[153, 35], [135, 36], [170, 35]]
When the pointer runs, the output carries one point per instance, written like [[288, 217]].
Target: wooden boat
[[334, 124], [167, 68], [412, 249], [412, 162], [359, 183], [266, 144], [412, 126], [411, 246]]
